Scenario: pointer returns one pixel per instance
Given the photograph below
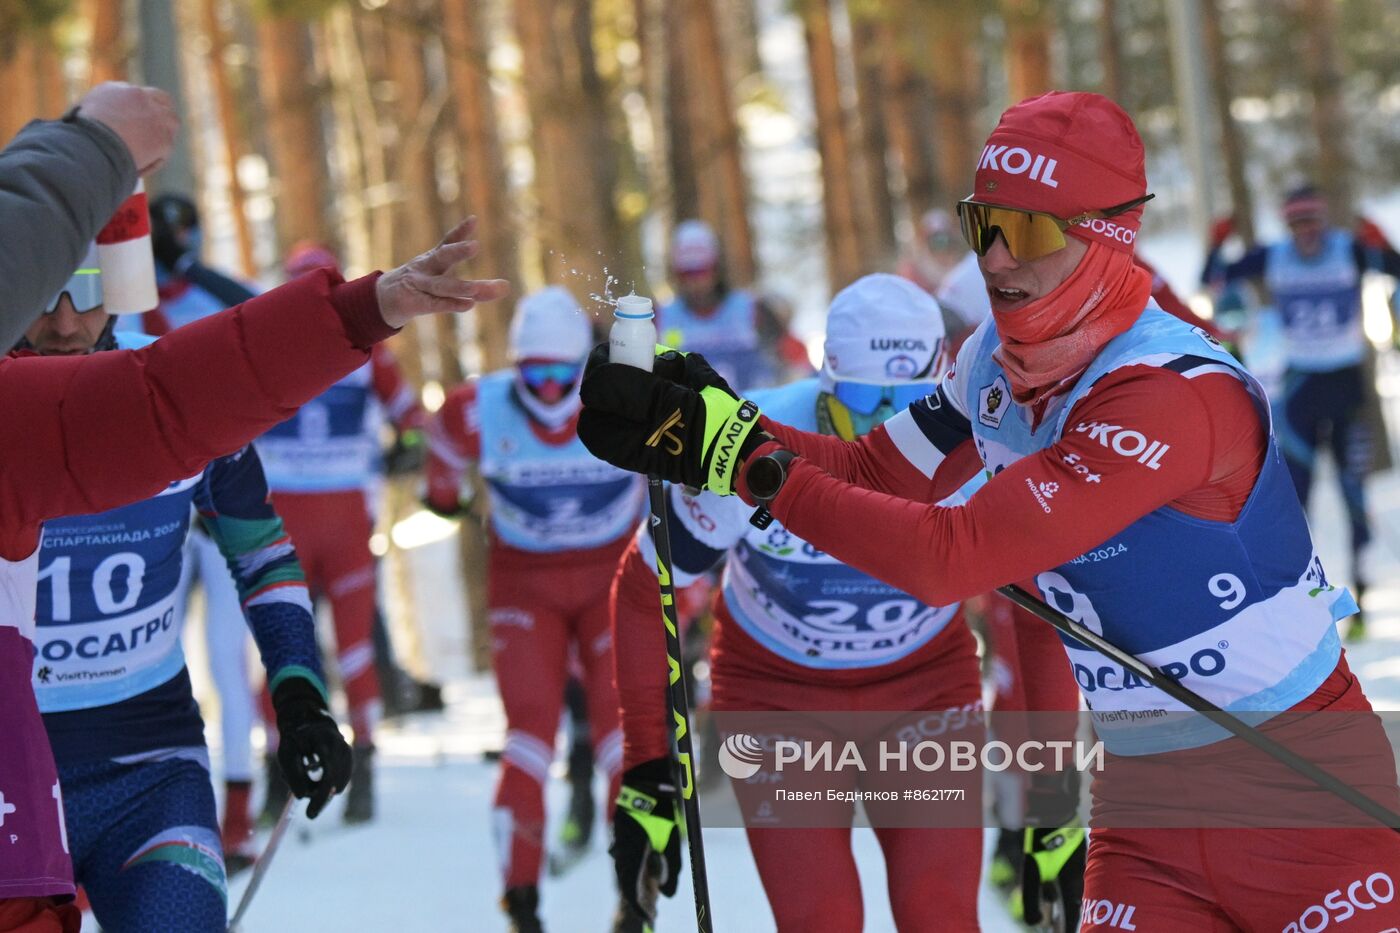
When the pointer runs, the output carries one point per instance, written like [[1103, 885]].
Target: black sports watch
[[764, 478]]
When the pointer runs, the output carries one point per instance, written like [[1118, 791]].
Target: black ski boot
[[359, 798], [578, 827], [627, 920], [577, 830], [1356, 625], [522, 906], [576, 833], [275, 793]]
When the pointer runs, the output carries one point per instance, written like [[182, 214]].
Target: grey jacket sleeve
[[59, 183]]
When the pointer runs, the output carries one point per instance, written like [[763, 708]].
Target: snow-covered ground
[[428, 862]]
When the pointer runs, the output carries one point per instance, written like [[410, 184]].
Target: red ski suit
[[331, 529], [1004, 534], [547, 609], [809, 874], [86, 434]]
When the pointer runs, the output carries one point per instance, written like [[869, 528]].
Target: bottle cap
[[634, 307]]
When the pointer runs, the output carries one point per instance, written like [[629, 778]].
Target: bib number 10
[[105, 584]]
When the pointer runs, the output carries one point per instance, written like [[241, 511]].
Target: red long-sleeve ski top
[[395, 393], [866, 502], [85, 434]]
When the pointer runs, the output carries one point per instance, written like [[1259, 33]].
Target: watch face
[[765, 477]]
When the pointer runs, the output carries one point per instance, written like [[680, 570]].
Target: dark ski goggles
[[84, 289], [865, 398], [537, 374], [1029, 235]]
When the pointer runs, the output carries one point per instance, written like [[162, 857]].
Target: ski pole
[[680, 706], [632, 342], [264, 861], [1324, 779]]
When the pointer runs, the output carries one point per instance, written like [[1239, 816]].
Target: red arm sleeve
[[639, 661], [1037, 513], [454, 442], [393, 390], [874, 462], [90, 433]]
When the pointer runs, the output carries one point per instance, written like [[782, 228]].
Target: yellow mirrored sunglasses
[[1029, 235]]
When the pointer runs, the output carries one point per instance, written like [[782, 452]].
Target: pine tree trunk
[[577, 218], [294, 132], [1027, 48], [33, 80], [957, 96], [415, 113], [845, 262], [739, 30], [617, 247], [110, 52], [1231, 140], [366, 69], [874, 138], [230, 128], [718, 157], [1110, 50], [1329, 116], [161, 28], [487, 194], [353, 223], [484, 180], [416, 110], [51, 91], [909, 120], [685, 187]]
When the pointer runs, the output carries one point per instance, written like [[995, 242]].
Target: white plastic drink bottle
[[632, 340], [124, 253]]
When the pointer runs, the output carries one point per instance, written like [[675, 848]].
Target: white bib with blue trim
[[548, 497], [1240, 612], [808, 607]]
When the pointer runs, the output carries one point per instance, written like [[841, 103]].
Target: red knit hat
[[1304, 203], [1064, 153]]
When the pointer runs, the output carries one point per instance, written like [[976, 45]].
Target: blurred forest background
[[810, 133]]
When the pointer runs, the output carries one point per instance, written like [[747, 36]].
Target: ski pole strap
[[728, 423], [643, 808], [1052, 849]]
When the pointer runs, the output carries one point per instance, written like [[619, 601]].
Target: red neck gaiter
[[1049, 343]]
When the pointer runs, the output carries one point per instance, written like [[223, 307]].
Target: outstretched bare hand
[[424, 285]]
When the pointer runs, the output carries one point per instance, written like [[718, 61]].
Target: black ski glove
[[1054, 872], [407, 454], [314, 756], [652, 423], [646, 847]]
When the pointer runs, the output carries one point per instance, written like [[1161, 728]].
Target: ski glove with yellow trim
[[646, 847], [1052, 876], [680, 422]]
